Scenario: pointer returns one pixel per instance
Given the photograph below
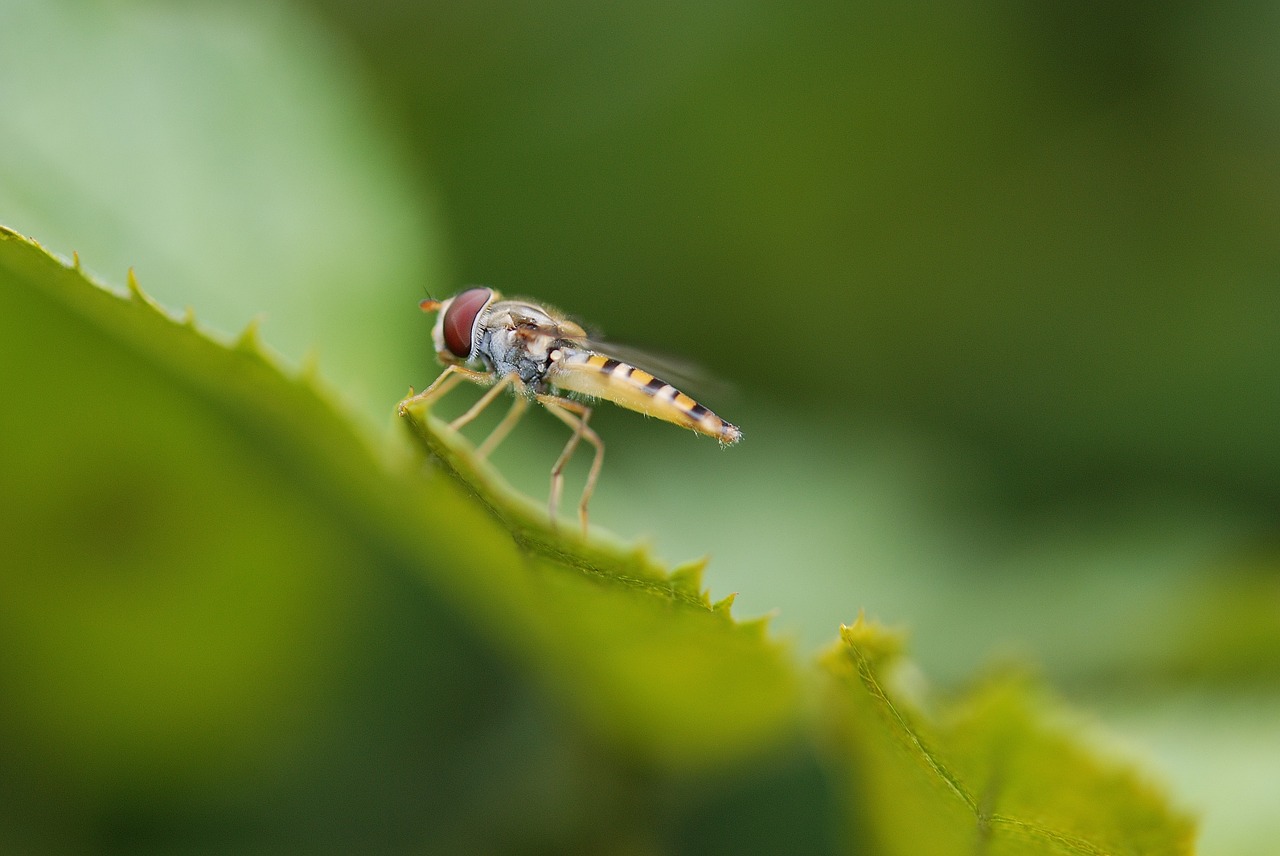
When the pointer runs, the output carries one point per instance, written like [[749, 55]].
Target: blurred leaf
[[205, 556], [642, 653], [1226, 635], [998, 771], [205, 562], [1220, 751], [230, 154]]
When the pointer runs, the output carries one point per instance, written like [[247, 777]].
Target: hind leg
[[575, 415]]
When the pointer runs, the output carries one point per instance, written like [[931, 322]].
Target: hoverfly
[[540, 355]]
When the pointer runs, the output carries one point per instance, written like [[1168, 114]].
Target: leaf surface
[[225, 610], [998, 771]]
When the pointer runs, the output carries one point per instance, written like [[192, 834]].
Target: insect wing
[[683, 374], [536, 320], [600, 376]]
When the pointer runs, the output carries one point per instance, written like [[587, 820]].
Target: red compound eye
[[460, 320]]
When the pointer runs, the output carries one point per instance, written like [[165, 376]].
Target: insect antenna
[[428, 303]]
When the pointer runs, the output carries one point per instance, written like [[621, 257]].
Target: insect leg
[[504, 427], [557, 469], [485, 400], [448, 379], [564, 410]]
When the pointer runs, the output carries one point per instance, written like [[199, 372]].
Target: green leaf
[[208, 569], [233, 155], [997, 771], [224, 611]]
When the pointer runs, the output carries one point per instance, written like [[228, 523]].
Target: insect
[[540, 355]]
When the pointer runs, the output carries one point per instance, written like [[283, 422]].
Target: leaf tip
[[135, 290], [139, 296], [687, 578], [724, 604], [871, 640], [249, 339]]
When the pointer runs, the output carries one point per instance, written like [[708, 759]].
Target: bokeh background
[[992, 285]]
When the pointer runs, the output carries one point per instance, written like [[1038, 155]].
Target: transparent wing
[[687, 376], [540, 321]]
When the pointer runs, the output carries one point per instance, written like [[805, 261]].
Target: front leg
[[448, 379]]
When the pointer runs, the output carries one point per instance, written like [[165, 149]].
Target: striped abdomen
[[625, 385]]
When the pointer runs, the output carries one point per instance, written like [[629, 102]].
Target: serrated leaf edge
[[524, 519], [865, 664]]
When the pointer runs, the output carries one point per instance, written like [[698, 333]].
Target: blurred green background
[[995, 285]]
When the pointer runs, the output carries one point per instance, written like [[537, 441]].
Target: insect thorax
[[514, 351]]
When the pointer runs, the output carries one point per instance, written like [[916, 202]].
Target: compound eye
[[460, 320]]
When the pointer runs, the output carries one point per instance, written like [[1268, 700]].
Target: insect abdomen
[[636, 389]]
